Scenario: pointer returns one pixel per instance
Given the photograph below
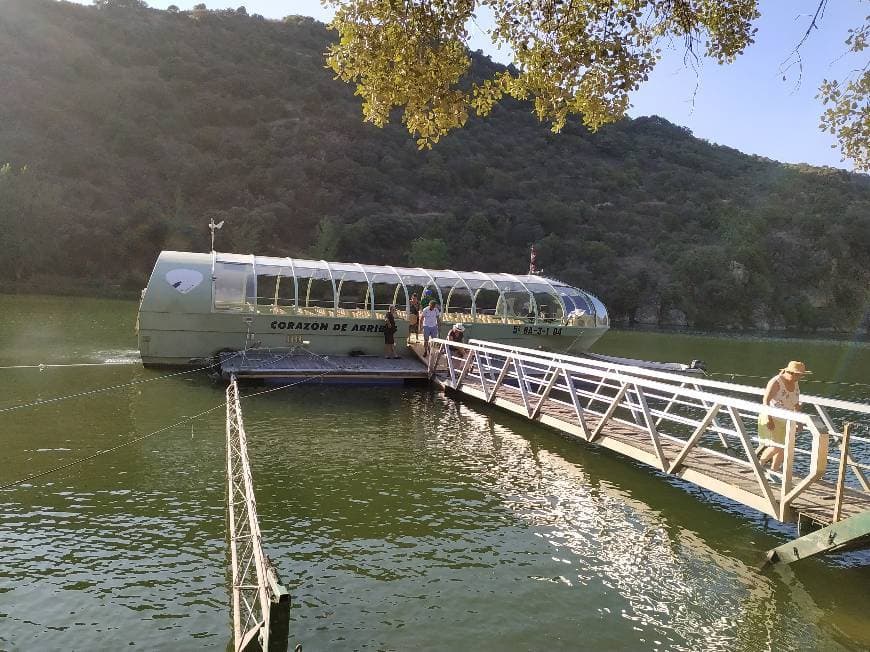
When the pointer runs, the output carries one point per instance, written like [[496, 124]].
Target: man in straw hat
[[781, 392]]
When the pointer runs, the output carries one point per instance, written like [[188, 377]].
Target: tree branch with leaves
[[848, 102], [570, 58]]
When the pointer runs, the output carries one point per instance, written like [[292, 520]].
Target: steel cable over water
[[733, 375], [109, 388], [42, 365], [138, 382], [100, 390], [156, 432]]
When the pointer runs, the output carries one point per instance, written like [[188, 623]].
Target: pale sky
[[746, 105]]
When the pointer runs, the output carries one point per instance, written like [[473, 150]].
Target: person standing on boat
[[414, 318], [431, 322], [781, 392], [390, 333], [428, 295]]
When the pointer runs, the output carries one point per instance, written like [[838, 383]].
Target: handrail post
[[841, 472], [449, 353], [818, 463], [791, 428]]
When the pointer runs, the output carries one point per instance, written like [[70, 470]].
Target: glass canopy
[[295, 286]]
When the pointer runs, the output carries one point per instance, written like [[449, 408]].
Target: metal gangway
[[702, 431], [261, 605]]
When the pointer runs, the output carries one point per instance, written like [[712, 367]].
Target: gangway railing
[[261, 605], [703, 431], [835, 413]]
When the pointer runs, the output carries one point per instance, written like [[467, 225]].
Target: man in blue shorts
[[431, 317]]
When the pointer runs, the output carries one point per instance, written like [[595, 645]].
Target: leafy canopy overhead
[[848, 102], [570, 57]]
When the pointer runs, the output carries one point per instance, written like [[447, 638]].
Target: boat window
[[318, 294], [546, 305], [387, 293], [515, 305], [234, 287], [266, 285], [275, 291], [581, 302], [286, 291], [316, 290], [352, 286], [486, 302], [354, 295], [601, 316], [515, 301], [549, 307], [458, 300]]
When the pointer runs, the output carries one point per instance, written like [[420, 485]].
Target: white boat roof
[[304, 268], [443, 281]]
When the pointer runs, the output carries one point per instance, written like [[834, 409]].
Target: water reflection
[[604, 536]]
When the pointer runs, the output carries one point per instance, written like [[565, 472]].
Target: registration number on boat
[[537, 330]]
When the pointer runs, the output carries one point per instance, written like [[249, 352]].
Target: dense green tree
[[132, 127], [327, 240], [429, 252]]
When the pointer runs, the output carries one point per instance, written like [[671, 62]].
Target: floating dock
[[276, 366], [699, 430]]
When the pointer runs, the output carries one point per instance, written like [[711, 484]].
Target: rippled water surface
[[400, 519]]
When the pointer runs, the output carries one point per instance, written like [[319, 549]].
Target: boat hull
[[179, 339]]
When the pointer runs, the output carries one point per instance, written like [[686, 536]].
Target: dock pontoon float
[[198, 305]]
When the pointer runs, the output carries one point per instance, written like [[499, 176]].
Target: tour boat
[[197, 305]]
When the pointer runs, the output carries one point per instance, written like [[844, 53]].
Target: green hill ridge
[[124, 129]]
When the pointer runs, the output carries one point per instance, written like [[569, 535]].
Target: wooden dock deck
[[276, 365], [688, 427]]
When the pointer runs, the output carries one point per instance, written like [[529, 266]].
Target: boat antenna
[[214, 227], [533, 258]]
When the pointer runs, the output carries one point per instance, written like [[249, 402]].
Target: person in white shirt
[[431, 317]]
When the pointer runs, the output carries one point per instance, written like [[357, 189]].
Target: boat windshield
[[280, 286], [581, 308]]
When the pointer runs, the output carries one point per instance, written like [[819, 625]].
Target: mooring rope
[[733, 375], [184, 421], [43, 365], [110, 388], [106, 450]]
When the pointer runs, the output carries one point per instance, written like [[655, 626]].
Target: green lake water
[[400, 519]]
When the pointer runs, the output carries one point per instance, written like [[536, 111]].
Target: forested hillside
[[123, 130]]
